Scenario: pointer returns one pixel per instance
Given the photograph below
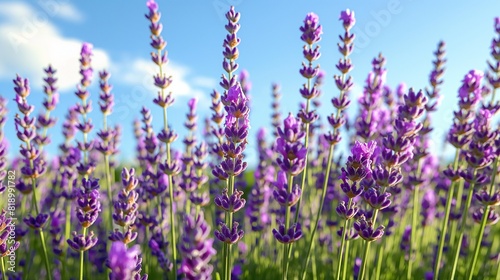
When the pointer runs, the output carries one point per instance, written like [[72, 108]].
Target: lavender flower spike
[[123, 262], [196, 248]]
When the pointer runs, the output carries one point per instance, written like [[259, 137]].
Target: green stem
[[478, 242], [230, 224], [454, 224], [346, 258], [146, 249], [4, 272], [82, 256], [110, 196], [413, 236], [458, 245], [227, 272], [380, 255], [46, 259], [42, 239], [287, 247], [483, 222], [318, 215], [444, 226], [498, 268], [364, 260], [343, 242], [172, 226]]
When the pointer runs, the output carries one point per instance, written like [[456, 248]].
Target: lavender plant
[[301, 207]]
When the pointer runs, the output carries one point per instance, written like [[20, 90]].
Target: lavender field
[[362, 192]]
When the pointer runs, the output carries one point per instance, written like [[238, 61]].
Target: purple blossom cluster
[[392, 192], [196, 248]]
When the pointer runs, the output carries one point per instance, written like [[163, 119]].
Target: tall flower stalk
[[459, 136], [45, 121], [292, 162], [236, 131], [397, 149], [358, 166], [106, 145], [311, 35], [87, 212], [164, 100], [233, 164], [421, 151], [34, 164], [336, 121], [85, 168], [478, 153], [489, 198]]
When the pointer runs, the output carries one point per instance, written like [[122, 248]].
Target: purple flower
[[88, 202], [348, 19], [37, 222], [491, 219], [231, 203], [281, 194], [361, 151], [486, 199], [229, 236], [311, 30], [196, 248], [347, 213], [376, 199], [291, 235], [366, 231], [122, 261], [82, 243]]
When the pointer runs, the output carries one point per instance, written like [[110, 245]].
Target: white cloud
[[69, 12], [205, 82], [31, 42]]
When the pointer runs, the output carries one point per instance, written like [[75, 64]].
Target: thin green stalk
[[413, 237], [304, 172], [287, 247], [172, 226], [454, 223], [463, 224], [478, 242], [42, 239], [4, 272], [444, 226], [227, 272], [173, 240], [367, 244], [364, 261], [343, 243], [380, 255], [498, 268], [346, 258], [82, 256], [146, 248], [318, 215], [110, 196], [46, 259], [483, 222]]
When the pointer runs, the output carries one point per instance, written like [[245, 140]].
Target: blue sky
[[35, 33]]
